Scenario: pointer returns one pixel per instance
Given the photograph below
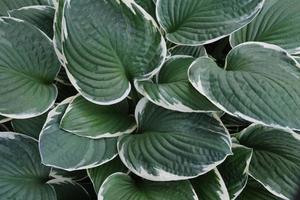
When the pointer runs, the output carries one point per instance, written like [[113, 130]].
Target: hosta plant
[[149, 100]]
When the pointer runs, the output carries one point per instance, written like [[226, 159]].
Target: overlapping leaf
[[28, 66], [195, 51], [195, 22], [173, 90], [120, 186], [277, 23], [107, 44], [173, 145], [260, 83], [68, 151]]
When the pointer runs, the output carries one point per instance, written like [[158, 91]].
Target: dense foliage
[[149, 100]]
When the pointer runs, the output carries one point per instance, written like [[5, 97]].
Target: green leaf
[[277, 23], [6, 5], [210, 186], [173, 90], [31, 127], [255, 191], [57, 27], [4, 119], [70, 152], [259, 84], [235, 168], [40, 16], [86, 119], [195, 51], [120, 186], [276, 158], [197, 22], [99, 174], [109, 45], [70, 190], [148, 5], [173, 145], [28, 66], [22, 174]]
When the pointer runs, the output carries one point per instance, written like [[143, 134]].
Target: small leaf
[[198, 22], [194, 51], [70, 152], [235, 168], [109, 45], [210, 186], [259, 84], [173, 145], [173, 90], [99, 174], [276, 158], [86, 119], [277, 23], [28, 66], [120, 186]]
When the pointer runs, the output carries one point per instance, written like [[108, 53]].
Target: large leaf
[[255, 191], [173, 90], [40, 16], [21, 172], [277, 23], [86, 119], [31, 127], [99, 174], [67, 151], [28, 66], [6, 5], [107, 46], [235, 168], [259, 83], [195, 51], [276, 158], [120, 186], [210, 186], [173, 145], [195, 22]]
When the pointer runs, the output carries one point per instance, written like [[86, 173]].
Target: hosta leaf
[[210, 186], [40, 16], [31, 127], [86, 119], [21, 172], [70, 190], [255, 191], [6, 5], [107, 46], [173, 90], [4, 119], [276, 158], [57, 27], [195, 51], [277, 23], [70, 152], [195, 22], [235, 168], [148, 5], [28, 66], [120, 186], [99, 174], [173, 145], [259, 84]]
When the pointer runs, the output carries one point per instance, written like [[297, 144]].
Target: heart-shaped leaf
[[277, 23], [86, 119], [28, 66], [210, 186], [195, 51], [259, 83], [99, 174], [173, 145], [235, 168], [107, 46], [196, 22], [70, 152], [173, 90], [276, 158], [6, 5], [40, 16], [120, 186]]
